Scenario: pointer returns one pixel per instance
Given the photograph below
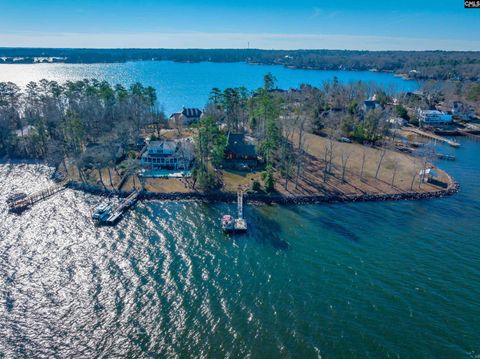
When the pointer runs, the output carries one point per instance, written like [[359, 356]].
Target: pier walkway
[[22, 204], [431, 136]]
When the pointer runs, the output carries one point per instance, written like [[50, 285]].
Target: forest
[[90, 123], [439, 65]]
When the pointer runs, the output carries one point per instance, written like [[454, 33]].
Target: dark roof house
[[186, 116], [191, 113], [239, 153], [369, 105]]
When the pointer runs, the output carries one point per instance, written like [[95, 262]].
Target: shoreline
[[260, 198]]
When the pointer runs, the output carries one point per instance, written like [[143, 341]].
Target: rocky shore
[[272, 198]]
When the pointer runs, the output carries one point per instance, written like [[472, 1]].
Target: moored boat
[[228, 223], [101, 212]]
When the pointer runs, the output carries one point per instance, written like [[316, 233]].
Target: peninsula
[[306, 145]]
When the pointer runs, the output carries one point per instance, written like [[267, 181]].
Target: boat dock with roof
[[109, 215], [235, 225]]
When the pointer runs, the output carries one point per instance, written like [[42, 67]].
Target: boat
[[111, 214], [101, 212], [16, 197], [228, 223], [235, 225]]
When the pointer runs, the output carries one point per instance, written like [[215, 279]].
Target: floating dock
[[115, 213], [235, 225], [20, 203], [443, 156], [431, 136], [470, 135]]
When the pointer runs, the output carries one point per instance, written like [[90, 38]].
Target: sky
[[266, 24]]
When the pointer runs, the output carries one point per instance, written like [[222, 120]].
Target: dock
[[431, 136], [24, 202], [443, 156], [470, 135], [116, 213], [240, 223], [235, 225]]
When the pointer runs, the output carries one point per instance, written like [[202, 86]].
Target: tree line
[[90, 122]]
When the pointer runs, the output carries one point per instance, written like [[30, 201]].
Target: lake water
[[360, 280], [184, 84]]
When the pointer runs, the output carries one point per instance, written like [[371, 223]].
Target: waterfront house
[[369, 105], [168, 155], [185, 117], [434, 117], [239, 153], [463, 111]]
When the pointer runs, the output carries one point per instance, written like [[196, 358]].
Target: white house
[[169, 155], [397, 121], [434, 117]]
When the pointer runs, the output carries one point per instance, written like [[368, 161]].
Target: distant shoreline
[[423, 64]]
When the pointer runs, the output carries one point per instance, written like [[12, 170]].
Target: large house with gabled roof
[[185, 117], [239, 153]]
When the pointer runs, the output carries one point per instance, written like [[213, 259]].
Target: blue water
[[184, 84], [359, 280]]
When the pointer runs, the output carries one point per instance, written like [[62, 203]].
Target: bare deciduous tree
[[344, 158], [380, 160]]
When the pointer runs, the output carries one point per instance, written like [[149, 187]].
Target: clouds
[[318, 12], [232, 40]]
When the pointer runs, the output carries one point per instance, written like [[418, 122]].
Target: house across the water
[[239, 153], [434, 117], [185, 117], [169, 155]]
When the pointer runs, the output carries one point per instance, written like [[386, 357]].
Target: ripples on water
[[357, 280]]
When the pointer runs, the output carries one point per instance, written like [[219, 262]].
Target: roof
[[165, 145], [242, 150], [191, 112], [370, 103], [236, 144], [236, 138], [175, 116], [432, 112]]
